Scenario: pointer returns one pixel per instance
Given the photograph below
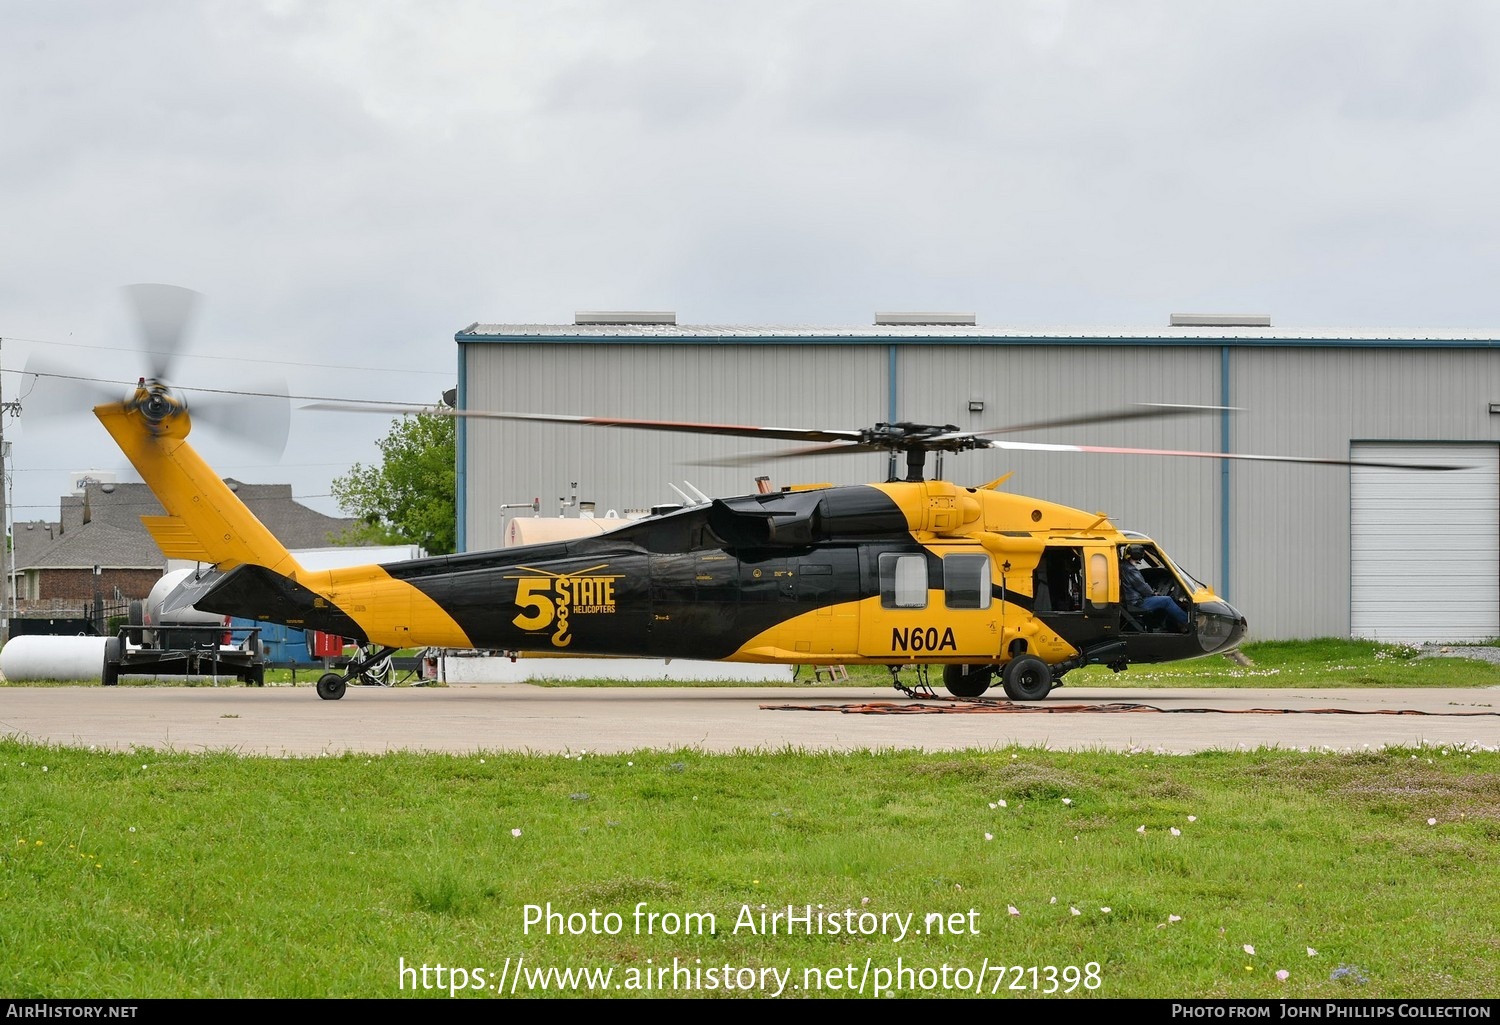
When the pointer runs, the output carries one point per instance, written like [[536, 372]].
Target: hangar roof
[[926, 334]]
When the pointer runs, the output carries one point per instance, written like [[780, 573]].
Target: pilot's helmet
[[1134, 551]]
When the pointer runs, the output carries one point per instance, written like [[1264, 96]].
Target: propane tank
[[34, 658]]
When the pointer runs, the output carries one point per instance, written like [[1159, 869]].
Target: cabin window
[[1098, 579], [966, 581], [903, 581]]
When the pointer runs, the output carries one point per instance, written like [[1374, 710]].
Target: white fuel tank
[[32, 659]]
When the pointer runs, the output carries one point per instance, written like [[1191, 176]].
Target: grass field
[[164, 875]]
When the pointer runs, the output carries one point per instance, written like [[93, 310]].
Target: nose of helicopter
[[1219, 626]]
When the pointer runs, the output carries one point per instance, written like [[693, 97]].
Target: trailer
[[185, 642], [186, 650]]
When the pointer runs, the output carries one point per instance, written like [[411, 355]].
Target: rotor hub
[[156, 403], [914, 437]]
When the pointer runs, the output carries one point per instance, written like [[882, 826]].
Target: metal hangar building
[[1302, 550]]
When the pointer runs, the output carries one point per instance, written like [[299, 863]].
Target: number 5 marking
[[528, 597]]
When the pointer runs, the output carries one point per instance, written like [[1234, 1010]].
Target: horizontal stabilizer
[[175, 539]]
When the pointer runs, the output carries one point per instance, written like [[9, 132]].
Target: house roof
[[102, 526], [94, 544]]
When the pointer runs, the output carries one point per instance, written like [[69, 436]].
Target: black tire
[[136, 620], [255, 676], [967, 681], [111, 674], [1026, 678], [331, 686]]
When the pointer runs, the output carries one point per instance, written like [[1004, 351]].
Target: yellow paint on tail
[[203, 516], [207, 522]]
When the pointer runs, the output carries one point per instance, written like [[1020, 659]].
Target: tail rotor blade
[[52, 390], [259, 417], [163, 313]]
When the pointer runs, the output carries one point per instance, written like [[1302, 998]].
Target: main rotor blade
[[1138, 411], [826, 449], [675, 426], [1030, 446], [162, 313]]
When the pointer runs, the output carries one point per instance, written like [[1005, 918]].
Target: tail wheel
[[331, 686], [967, 681], [1026, 678]]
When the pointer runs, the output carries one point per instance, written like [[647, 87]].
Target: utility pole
[[7, 600], [7, 556]]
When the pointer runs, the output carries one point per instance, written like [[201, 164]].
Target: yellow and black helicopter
[[910, 571]]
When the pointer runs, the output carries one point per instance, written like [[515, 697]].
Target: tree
[[411, 496]]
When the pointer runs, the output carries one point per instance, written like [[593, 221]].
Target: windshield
[[1193, 583]]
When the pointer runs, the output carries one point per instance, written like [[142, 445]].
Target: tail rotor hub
[[156, 403]]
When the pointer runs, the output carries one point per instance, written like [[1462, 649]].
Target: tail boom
[[205, 521]]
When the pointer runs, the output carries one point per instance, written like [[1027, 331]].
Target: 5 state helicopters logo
[[548, 599]]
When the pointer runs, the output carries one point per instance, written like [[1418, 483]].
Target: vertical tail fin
[[205, 521]]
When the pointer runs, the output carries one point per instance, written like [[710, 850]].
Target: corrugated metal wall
[[1289, 548], [772, 385], [1289, 525]]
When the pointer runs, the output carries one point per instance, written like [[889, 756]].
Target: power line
[[233, 359], [221, 466], [209, 391]]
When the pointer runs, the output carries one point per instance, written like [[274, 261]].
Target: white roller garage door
[[1425, 545]]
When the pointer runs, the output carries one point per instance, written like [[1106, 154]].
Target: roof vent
[[1221, 320], [668, 317], [924, 319]]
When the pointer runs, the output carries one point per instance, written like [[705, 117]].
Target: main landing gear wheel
[[967, 681], [1026, 678], [331, 686]]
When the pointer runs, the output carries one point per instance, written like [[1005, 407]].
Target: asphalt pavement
[[293, 722]]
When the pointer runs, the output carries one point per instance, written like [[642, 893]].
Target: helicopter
[[979, 582]]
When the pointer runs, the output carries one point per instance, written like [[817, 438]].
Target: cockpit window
[[1160, 573], [1192, 582], [1158, 559]]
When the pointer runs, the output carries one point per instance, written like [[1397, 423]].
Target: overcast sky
[[349, 183]]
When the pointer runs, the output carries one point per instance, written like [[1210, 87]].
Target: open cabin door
[[1075, 590]]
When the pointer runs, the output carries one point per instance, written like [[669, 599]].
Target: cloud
[[349, 184]]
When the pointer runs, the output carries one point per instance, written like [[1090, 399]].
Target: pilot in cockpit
[[1139, 596]]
